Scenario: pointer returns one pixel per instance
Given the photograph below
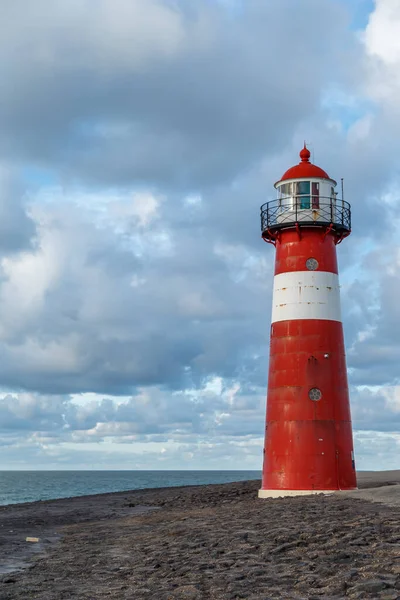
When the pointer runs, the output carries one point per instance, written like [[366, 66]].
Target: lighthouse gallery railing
[[306, 210]]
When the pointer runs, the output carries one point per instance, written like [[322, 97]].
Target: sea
[[30, 486]]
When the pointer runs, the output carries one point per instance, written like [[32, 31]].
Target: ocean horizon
[[30, 486]]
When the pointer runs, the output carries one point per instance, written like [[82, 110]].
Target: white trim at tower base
[[283, 493]]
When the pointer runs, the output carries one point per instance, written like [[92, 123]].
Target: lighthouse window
[[315, 394], [286, 190], [315, 194], [303, 192], [312, 264]]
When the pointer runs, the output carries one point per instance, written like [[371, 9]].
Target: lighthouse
[[308, 436]]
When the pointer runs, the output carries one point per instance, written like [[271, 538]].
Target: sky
[[138, 139]]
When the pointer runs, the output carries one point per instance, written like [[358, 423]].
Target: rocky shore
[[207, 542]]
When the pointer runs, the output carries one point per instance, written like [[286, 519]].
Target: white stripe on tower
[[306, 295]]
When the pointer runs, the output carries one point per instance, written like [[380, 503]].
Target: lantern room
[[306, 196]]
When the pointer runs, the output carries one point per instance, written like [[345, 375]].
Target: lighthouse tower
[[308, 437]]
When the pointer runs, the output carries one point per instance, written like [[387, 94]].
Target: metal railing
[[306, 210]]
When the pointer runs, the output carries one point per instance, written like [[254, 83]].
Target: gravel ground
[[207, 542]]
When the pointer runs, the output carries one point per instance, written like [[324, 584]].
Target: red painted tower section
[[308, 438]]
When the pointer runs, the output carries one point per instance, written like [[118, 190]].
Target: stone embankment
[[216, 542]]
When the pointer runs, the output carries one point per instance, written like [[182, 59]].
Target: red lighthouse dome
[[305, 169]]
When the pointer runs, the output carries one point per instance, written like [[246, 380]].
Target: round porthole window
[[312, 264], [315, 394]]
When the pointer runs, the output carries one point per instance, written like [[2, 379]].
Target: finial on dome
[[305, 154]]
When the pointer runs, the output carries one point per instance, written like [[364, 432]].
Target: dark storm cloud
[[147, 91], [84, 313]]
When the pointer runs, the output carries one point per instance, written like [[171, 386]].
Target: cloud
[[173, 94], [208, 424], [138, 142], [376, 450], [152, 411], [383, 48], [17, 229], [98, 305], [211, 426], [374, 351]]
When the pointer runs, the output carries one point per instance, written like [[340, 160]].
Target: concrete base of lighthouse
[[284, 493]]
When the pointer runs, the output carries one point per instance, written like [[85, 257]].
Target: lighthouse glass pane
[[285, 201], [315, 194], [303, 190]]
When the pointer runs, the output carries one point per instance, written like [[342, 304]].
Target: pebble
[[372, 586], [187, 592]]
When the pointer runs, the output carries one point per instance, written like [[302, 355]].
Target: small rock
[[283, 547], [358, 542], [351, 574], [187, 592], [372, 586]]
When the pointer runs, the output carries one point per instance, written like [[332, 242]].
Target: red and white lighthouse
[[308, 439]]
